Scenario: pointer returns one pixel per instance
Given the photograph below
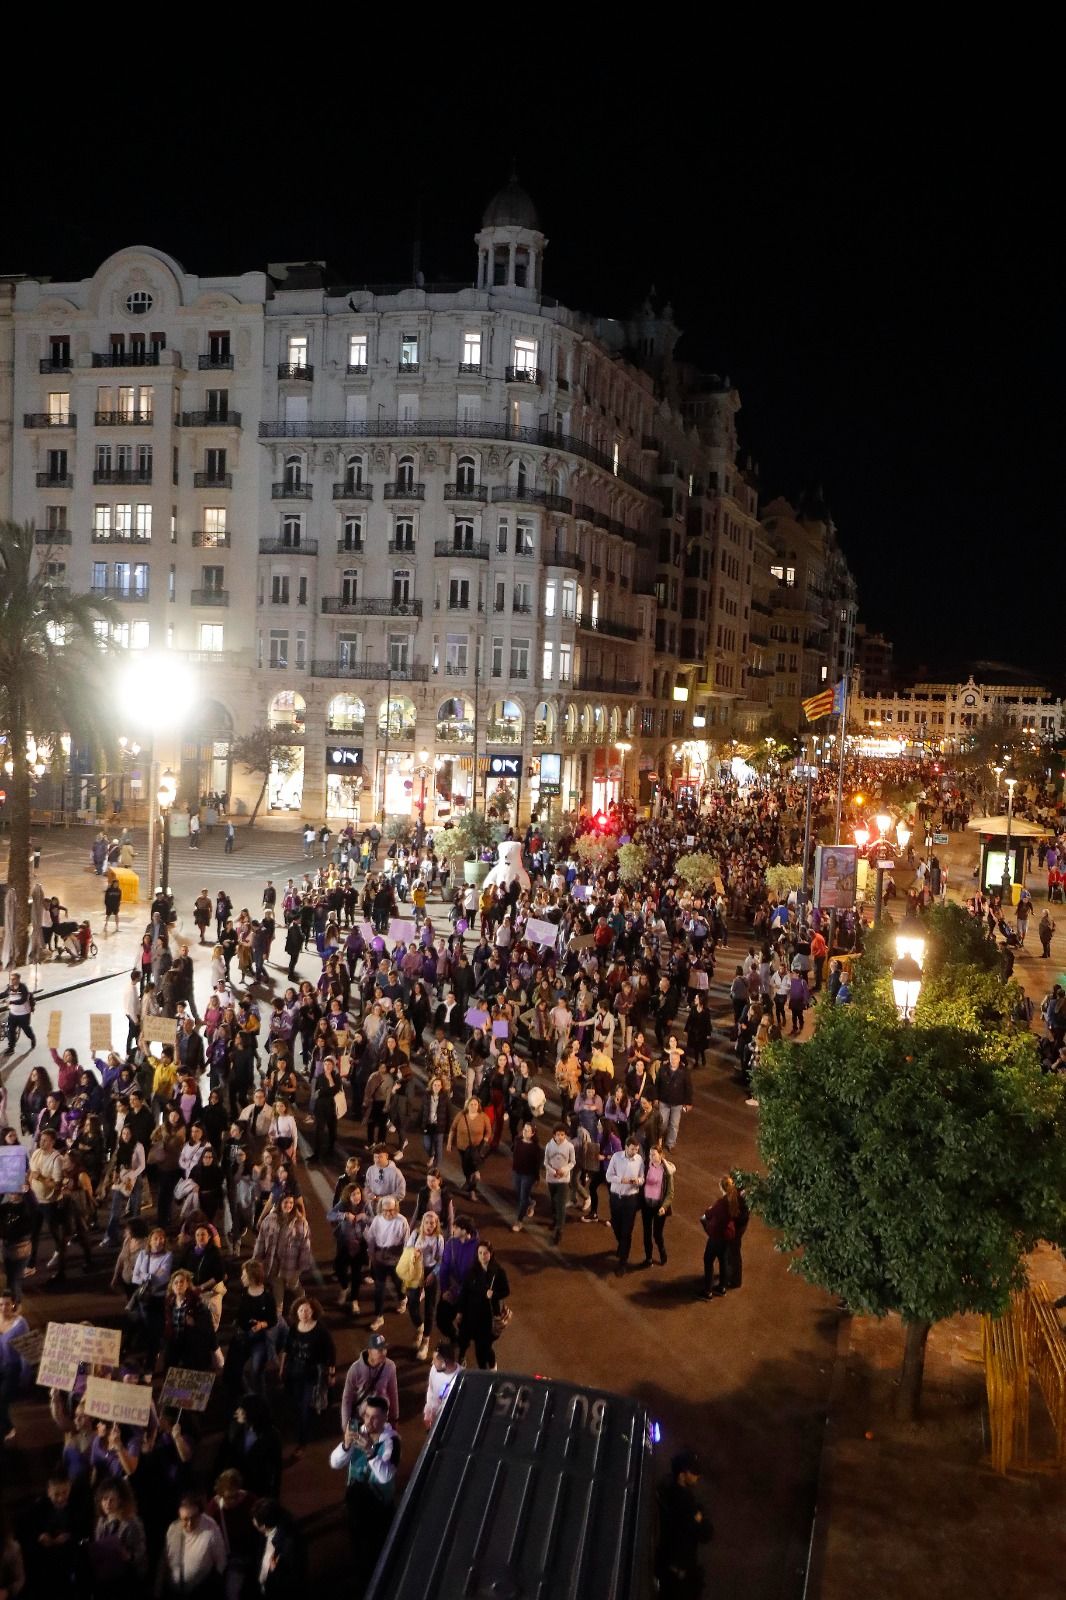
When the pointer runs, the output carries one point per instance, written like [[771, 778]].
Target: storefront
[[453, 787], [503, 785], [345, 780]]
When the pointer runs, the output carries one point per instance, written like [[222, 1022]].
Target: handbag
[[501, 1320], [410, 1269], [320, 1392]]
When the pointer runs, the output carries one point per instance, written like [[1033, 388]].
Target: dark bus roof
[[527, 1489]]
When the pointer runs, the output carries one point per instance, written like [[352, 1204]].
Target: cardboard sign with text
[[582, 941], [540, 932], [14, 1163], [55, 1029], [400, 929], [159, 1030], [187, 1388], [130, 1403], [77, 1342], [99, 1031], [476, 1018], [30, 1346]]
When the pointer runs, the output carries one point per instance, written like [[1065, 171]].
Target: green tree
[[699, 870], [911, 1168], [264, 750], [51, 683]]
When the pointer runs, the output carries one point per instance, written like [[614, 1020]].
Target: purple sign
[[14, 1164]]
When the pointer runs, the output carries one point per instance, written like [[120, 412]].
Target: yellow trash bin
[[128, 882]]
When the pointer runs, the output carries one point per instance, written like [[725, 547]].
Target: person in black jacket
[[253, 1447], [684, 1527], [287, 1571], [294, 943]]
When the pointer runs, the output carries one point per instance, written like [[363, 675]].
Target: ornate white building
[[408, 526], [942, 716]]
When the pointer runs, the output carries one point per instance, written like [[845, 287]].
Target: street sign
[[884, 864], [940, 838]]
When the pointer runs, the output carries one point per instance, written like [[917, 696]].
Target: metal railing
[[469, 368], [48, 536], [286, 547], [525, 497], [356, 369], [472, 552], [520, 609], [334, 606], [405, 491], [55, 480], [473, 491], [408, 366], [210, 597], [616, 630], [106, 591], [211, 540], [290, 491], [411, 672], [211, 419], [522, 374], [123, 419], [119, 536], [593, 684], [49, 419], [210, 363], [141, 475], [353, 491], [402, 547], [295, 369], [53, 364], [137, 357], [565, 558], [559, 502], [454, 428], [212, 480], [350, 547]]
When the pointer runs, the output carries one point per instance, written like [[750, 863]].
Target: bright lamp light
[[159, 690], [910, 941], [906, 985], [903, 835], [884, 822], [862, 837]]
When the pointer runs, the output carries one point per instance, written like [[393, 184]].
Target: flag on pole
[[828, 702]]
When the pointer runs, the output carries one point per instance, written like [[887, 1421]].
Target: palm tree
[[50, 657]]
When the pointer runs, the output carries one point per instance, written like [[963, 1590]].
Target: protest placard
[[583, 941], [14, 1164], [476, 1018], [80, 1341], [55, 1029], [690, 840], [367, 930], [501, 1028], [400, 928], [130, 1403], [99, 1031], [697, 980], [187, 1388], [341, 1036], [541, 932], [59, 1374], [30, 1346], [158, 1030], [580, 891]]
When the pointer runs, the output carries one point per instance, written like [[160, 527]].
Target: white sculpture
[[508, 867]]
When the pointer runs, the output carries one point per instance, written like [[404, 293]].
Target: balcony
[[407, 367], [376, 671], [523, 374], [350, 547], [405, 491], [295, 371], [584, 513], [210, 597], [137, 357], [470, 369], [285, 547], [761, 607], [123, 419], [51, 536], [47, 419], [559, 502], [212, 363], [356, 369], [607, 625], [212, 480], [136, 475], [476, 492], [590, 683], [520, 673], [353, 491], [211, 419], [211, 539], [565, 558], [520, 609], [462, 552], [334, 606], [290, 491], [356, 729], [402, 547], [453, 669], [525, 553], [127, 595], [119, 536], [523, 497], [53, 364], [55, 480], [595, 570]]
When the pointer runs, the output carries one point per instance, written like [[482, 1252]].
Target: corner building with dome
[[432, 533]]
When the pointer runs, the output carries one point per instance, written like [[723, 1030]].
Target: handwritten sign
[[80, 1341], [160, 1030], [501, 1028], [367, 930], [57, 1374], [476, 1018], [30, 1346], [541, 932], [580, 891], [187, 1388], [341, 1036], [55, 1029], [697, 980], [99, 1031], [14, 1163], [130, 1403], [582, 941], [401, 929]]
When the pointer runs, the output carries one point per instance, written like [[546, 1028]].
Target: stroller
[[76, 940]]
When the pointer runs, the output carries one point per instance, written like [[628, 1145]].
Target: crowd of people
[[556, 1073]]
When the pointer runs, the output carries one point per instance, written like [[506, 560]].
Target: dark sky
[[874, 270]]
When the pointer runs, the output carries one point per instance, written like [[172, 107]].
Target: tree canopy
[[264, 749]]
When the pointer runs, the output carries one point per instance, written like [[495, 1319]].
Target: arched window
[[599, 723], [544, 723], [521, 476], [505, 723], [584, 722], [346, 714], [570, 724], [287, 710], [294, 472], [405, 472], [631, 721], [455, 721], [615, 723], [397, 713], [465, 473], [353, 472]]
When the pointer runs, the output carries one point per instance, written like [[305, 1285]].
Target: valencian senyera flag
[[827, 702]]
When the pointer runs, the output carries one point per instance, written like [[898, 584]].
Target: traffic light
[[600, 821]]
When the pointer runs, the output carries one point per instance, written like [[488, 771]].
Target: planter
[[476, 871]]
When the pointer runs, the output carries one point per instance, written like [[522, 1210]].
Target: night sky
[[875, 275]]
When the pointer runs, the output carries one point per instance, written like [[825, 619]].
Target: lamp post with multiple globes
[[1007, 885], [166, 794]]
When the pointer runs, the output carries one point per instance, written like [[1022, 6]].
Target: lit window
[[357, 350], [471, 349]]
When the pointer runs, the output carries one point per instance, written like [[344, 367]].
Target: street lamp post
[[623, 747], [884, 822], [804, 889], [423, 773], [1008, 875], [165, 796]]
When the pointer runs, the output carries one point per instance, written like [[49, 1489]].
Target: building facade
[[430, 535], [942, 716], [814, 608]]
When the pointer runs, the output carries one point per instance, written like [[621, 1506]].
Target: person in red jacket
[[719, 1223]]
